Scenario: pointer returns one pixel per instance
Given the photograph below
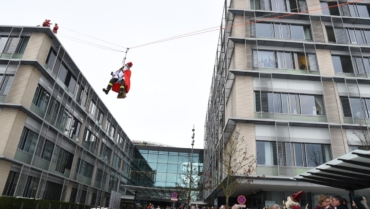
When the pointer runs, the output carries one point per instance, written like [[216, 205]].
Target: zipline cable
[[89, 43], [245, 23], [207, 30], [95, 38]]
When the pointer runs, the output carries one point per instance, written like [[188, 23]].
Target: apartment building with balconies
[[292, 77], [58, 140]]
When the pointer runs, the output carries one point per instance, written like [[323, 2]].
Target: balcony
[[23, 156], [83, 179], [53, 168], [41, 163], [37, 110], [12, 56], [288, 117], [280, 170]]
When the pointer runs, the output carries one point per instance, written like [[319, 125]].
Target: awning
[[152, 192], [350, 171]]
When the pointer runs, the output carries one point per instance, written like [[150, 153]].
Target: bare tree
[[315, 155], [362, 137], [236, 164], [189, 185]]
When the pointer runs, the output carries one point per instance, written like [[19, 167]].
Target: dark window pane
[[298, 152], [72, 85], [340, 35], [257, 101], [267, 102], [314, 155], [367, 35], [48, 150], [330, 33], [346, 107], [359, 37], [266, 152]]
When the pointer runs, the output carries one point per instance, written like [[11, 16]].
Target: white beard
[[290, 203]]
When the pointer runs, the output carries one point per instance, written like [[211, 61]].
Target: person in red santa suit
[[46, 23], [293, 201], [120, 81]]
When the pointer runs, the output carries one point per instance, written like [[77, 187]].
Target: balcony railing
[[37, 110], [280, 170], [307, 118], [12, 56]]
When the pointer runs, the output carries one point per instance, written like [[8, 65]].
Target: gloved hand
[[111, 73]]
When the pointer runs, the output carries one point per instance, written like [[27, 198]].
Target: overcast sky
[[170, 81]]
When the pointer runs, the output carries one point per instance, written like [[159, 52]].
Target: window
[[84, 168], [51, 59], [41, 98], [266, 152], [105, 153], [67, 78], [47, 151], [280, 5], [82, 96], [356, 107], [5, 83], [111, 131], [28, 141], [317, 154], [355, 10], [100, 117], [101, 176], [53, 109], [330, 8], [285, 60], [11, 183], [90, 141], [52, 191], [92, 108], [116, 163], [281, 30], [292, 154], [342, 64], [31, 187], [13, 44], [303, 104], [113, 181], [74, 129], [63, 160]]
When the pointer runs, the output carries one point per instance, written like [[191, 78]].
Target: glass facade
[[172, 166]]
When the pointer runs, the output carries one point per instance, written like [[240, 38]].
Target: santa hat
[[296, 196]]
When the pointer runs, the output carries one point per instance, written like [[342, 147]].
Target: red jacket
[[127, 77]]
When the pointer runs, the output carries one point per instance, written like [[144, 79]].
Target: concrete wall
[[38, 47], [24, 86], [12, 122], [240, 4], [318, 31], [332, 102], [339, 141], [238, 29], [313, 6], [325, 62]]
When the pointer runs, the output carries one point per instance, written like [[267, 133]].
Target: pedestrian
[[359, 202], [324, 202]]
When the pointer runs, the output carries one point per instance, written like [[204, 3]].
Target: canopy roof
[[350, 171]]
